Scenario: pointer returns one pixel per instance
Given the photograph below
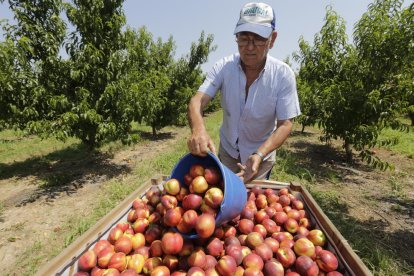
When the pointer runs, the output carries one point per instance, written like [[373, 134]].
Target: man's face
[[254, 48]]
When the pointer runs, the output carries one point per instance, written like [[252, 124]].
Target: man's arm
[[284, 127], [199, 142]]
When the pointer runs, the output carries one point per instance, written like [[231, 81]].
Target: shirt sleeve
[[213, 80], [287, 105]]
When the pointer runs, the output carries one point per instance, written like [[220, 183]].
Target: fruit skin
[[210, 262], [172, 243], [235, 251], [215, 247], [326, 260], [286, 256], [170, 261], [195, 271], [104, 256], [115, 234], [226, 266], [273, 268], [212, 175], [101, 244], [118, 261], [136, 262], [304, 247], [172, 217], [199, 185], [87, 261], [317, 237], [140, 225], [156, 248], [253, 260], [214, 197], [254, 239], [192, 202], [205, 225], [169, 201], [161, 270], [291, 225], [246, 226], [306, 266], [137, 240], [172, 186], [196, 170], [150, 264], [264, 251], [280, 217], [111, 272], [187, 179], [123, 244], [197, 258]]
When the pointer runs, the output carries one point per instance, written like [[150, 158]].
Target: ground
[[31, 214]]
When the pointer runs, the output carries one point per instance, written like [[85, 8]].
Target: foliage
[[100, 106], [163, 86], [31, 75], [110, 78], [186, 76], [347, 90]]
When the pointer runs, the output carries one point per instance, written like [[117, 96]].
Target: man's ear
[[273, 39]]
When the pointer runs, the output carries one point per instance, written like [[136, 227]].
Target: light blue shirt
[[248, 123]]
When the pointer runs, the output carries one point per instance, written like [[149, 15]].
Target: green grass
[[405, 143], [15, 146]]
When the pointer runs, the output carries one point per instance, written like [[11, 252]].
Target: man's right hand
[[200, 143]]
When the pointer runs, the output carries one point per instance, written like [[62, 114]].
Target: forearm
[[277, 138], [199, 142], [195, 112], [195, 116]]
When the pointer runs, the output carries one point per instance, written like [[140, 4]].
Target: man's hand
[[200, 143], [250, 170]]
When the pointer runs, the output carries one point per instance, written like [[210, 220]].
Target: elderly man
[[258, 97]]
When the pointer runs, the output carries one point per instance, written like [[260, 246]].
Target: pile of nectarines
[[273, 235]]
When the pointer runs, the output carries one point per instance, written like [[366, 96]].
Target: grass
[[16, 148], [405, 140]]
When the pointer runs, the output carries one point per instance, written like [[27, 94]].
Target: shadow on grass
[[368, 238], [160, 136], [64, 170], [317, 160]]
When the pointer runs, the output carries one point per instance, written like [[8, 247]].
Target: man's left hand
[[251, 168]]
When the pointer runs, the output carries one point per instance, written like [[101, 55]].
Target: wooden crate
[[66, 262]]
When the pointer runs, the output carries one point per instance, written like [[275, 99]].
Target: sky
[[184, 20]]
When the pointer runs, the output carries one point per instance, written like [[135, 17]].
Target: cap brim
[[263, 31]]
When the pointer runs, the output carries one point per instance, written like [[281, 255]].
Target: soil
[[379, 201]]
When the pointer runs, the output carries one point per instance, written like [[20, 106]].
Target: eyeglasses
[[243, 41]]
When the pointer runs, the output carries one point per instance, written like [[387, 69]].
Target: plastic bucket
[[235, 193]]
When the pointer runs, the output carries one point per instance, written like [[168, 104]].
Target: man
[[258, 97]]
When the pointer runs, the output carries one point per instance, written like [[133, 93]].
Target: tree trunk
[[348, 151], [154, 131], [411, 116]]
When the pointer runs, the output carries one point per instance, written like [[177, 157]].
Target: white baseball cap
[[258, 18]]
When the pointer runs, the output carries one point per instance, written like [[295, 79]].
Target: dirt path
[[32, 212]]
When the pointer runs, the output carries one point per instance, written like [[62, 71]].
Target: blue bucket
[[235, 193]]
